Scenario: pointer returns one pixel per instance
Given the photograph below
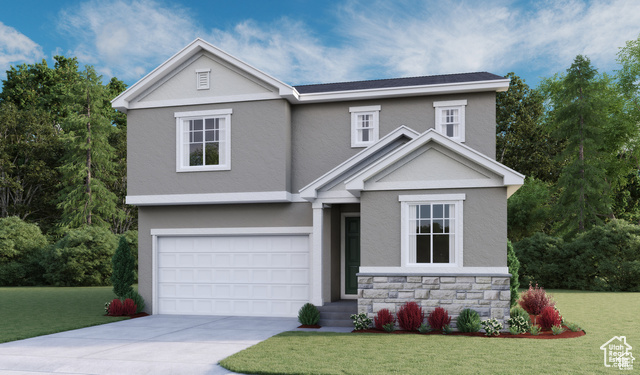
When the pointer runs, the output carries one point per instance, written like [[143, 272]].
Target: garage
[[242, 275]]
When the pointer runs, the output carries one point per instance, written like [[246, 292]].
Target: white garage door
[[233, 275]]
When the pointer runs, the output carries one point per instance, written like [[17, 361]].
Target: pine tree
[[123, 275]]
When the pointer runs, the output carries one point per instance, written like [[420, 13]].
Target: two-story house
[[256, 197]]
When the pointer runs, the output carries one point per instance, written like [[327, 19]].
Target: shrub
[[21, 247], [308, 315], [542, 259], [573, 327], [491, 327], [519, 311], [549, 317], [137, 299], [534, 300], [128, 307], [424, 328], [389, 327], [81, 258], [468, 321], [557, 329], [360, 321], [410, 316], [514, 267], [132, 240], [518, 325], [122, 264], [446, 330], [116, 308], [438, 318], [535, 330], [382, 318]]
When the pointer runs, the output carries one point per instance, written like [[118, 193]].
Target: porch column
[[316, 254]]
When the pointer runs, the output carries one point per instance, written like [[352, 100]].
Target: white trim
[[432, 197], [369, 108], [457, 200], [214, 198], [181, 117], [210, 112], [436, 270], [450, 103], [244, 231], [310, 191], [356, 183], [343, 259], [154, 273], [205, 100], [316, 256]]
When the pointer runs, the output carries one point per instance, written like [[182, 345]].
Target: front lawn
[[601, 315], [35, 311]]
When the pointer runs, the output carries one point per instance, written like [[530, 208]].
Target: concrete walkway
[[157, 344]]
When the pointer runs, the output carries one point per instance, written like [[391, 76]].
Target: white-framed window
[[203, 140], [202, 79], [450, 118], [432, 229], [364, 125]]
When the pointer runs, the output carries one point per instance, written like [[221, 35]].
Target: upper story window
[[203, 140], [431, 229], [450, 118], [364, 125], [202, 79]]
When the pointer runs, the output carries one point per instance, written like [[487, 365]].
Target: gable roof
[[357, 90]]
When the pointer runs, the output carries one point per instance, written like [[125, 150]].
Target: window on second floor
[[450, 118], [203, 140], [364, 125]]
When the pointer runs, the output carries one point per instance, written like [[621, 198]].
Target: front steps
[[337, 314]]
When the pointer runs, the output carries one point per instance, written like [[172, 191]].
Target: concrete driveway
[[157, 344]]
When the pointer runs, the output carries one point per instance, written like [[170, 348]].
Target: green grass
[[601, 315], [34, 311]]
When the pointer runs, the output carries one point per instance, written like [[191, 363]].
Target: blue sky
[[313, 41]]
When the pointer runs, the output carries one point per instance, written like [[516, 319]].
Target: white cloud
[[16, 48], [128, 38]]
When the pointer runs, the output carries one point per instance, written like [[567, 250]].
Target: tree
[[529, 210], [587, 113], [523, 143], [123, 275]]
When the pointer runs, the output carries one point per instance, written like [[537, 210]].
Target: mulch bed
[[309, 326], [138, 315], [568, 334]]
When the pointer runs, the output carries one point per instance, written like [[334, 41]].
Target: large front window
[[431, 229], [203, 140]]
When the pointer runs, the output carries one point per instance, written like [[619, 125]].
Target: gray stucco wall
[[260, 151], [210, 216], [485, 226], [321, 133]]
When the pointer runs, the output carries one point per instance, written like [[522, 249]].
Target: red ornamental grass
[[549, 317], [535, 300], [383, 317], [129, 307], [410, 316], [115, 308], [438, 318]]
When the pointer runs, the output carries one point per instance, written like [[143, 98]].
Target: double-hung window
[[203, 140], [450, 118], [364, 125], [431, 229]]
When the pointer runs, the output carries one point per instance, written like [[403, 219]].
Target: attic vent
[[202, 79]]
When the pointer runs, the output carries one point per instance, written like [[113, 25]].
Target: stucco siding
[[260, 151], [209, 216], [485, 226], [321, 133]]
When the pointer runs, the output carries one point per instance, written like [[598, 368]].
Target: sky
[[318, 41]]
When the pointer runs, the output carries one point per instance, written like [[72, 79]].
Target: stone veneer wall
[[489, 295]]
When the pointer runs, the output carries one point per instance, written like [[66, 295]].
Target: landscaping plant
[[123, 275], [308, 315], [535, 299], [389, 327], [519, 311], [514, 266], [447, 330], [573, 327], [137, 299], [549, 317], [535, 330], [424, 328], [382, 318], [557, 329], [128, 307], [491, 327], [468, 321], [360, 321], [410, 316], [438, 318], [518, 325], [115, 307]]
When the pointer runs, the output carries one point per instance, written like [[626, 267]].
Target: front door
[[351, 254]]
